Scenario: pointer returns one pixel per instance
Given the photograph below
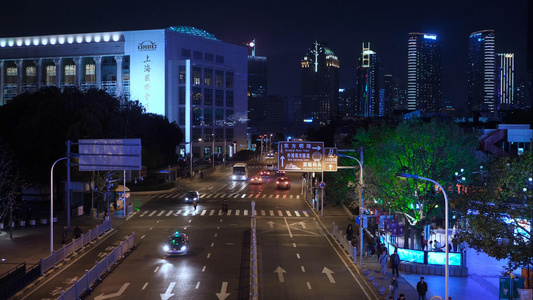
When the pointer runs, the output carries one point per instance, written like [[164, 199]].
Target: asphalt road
[[296, 258]]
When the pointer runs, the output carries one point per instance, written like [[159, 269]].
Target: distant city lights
[[430, 36]]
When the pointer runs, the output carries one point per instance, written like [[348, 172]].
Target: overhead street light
[[407, 176]]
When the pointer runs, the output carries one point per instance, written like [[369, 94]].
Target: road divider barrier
[[58, 256], [254, 280], [347, 245], [95, 274]]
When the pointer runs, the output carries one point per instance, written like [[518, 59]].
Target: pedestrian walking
[[194, 204], [77, 232], [422, 288], [395, 263], [383, 263], [349, 232], [393, 287], [430, 247], [64, 235], [455, 241]]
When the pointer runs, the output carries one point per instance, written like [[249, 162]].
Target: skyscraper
[[481, 71], [320, 83], [369, 83], [424, 72], [506, 84]]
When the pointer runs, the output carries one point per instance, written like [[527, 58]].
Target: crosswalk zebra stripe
[[280, 213], [169, 213], [251, 195], [212, 212], [257, 196], [229, 212], [288, 213], [297, 196], [277, 196], [270, 196], [203, 212], [245, 212], [271, 213], [152, 213], [306, 214], [186, 213], [144, 213], [264, 195], [177, 213], [220, 212], [237, 212], [296, 213], [262, 212], [243, 195]]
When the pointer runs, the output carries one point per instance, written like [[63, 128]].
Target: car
[[270, 167], [177, 244], [270, 156], [191, 196], [256, 180], [265, 173], [283, 183], [280, 174]]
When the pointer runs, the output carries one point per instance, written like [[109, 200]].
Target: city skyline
[[283, 31]]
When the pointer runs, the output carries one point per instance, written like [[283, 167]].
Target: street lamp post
[[361, 184], [191, 155], [405, 175], [213, 149], [52, 205]]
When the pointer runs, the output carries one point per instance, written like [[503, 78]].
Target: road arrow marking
[[280, 272], [122, 289], [328, 273], [223, 294], [167, 294], [271, 224], [303, 225]]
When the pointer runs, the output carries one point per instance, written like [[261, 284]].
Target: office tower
[[347, 103], [369, 83], [320, 84], [506, 84], [481, 71], [424, 72], [183, 73], [388, 87], [257, 92]]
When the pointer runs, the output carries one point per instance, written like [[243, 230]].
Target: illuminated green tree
[[434, 150]]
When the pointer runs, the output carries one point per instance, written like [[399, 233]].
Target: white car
[[270, 167]]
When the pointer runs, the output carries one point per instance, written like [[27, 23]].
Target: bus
[[240, 171]]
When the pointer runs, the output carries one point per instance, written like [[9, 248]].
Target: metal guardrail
[[58, 256], [254, 279], [341, 238], [91, 276]]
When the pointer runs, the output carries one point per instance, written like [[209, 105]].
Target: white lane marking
[[152, 213], [145, 285], [245, 212], [297, 196], [208, 255], [142, 237], [309, 285], [271, 196], [216, 234], [156, 269], [303, 269], [169, 213], [159, 214], [298, 255], [151, 228], [229, 212], [197, 284], [264, 195], [238, 212], [203, 212], [185, 213], [277, 196], [294, 245], [177, 213], [271, 213], [262, 212], [288, 228], [203, 269], [243, 195], [212, 245], [288, 213], [296, 213], [306, 214]]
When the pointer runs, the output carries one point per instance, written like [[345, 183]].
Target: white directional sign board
[[301, 156], [330, 159]]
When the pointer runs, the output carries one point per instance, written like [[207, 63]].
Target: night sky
[[284, 30]]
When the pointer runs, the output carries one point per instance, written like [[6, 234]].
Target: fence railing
[[91, 276], [58, 256], [347, 245], [254, 279]]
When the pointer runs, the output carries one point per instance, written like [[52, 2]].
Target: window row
[[186, 53], [206, 97], [208, 77], [206, 134], [208, 117]]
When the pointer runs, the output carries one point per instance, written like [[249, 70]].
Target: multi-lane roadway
[[296, 259]]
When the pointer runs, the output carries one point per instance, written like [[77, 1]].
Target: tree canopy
[[434, 150], [38, 125]]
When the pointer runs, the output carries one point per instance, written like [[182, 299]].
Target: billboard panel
[[110, 154]]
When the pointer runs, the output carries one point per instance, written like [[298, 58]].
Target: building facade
[[481, 71], [424, 72], [320, 84], [369, 84], [183, 73], [506, 82]]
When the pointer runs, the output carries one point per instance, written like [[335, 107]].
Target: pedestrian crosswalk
[[218, 212], [218, 196]]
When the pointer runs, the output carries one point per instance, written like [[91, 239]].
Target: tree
[[11, 184], [434, 150], [499, 208]]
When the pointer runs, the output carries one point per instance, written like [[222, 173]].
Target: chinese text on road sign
[[301, 156]]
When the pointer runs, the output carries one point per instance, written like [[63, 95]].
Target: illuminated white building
[[481, 71], [506, 81], [183, 73]]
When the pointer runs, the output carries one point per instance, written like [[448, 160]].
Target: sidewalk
[[483, 271], [31, 243]]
